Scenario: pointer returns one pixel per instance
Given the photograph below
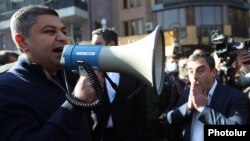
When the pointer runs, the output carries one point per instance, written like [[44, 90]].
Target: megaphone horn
[[143, 59]]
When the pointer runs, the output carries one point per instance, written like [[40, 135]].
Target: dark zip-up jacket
[[33, 107]]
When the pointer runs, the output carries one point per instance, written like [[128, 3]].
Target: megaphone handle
[[84, 69]]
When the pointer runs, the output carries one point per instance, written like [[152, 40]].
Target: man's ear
[[215, 71], [20, 41]]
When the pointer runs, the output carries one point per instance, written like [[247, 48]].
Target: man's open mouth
[[58, 50]]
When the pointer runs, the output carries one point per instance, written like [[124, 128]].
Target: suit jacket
[[228, 107], [128, 111]]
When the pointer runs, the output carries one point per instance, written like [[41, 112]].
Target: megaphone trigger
[[81, 70]]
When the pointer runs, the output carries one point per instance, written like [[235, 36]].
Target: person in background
[[172, 90], [7, 60], [207, 101], [241, 67], [121, 117], [198, 50], [182, 63], [33, 104], [172, 79], [8, 56], [242, 77], [171, 64], [242, 61]]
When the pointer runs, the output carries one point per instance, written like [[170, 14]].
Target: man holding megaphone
[[32, 93], [121, 117]]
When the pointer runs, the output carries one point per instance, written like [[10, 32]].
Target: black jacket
[[33, 107], [128, 111]]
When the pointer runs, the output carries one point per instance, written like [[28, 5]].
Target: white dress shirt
[[197, 133], [115, 77]]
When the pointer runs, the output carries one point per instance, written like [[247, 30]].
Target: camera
[[226, 48]]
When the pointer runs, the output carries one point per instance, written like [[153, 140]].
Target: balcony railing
[[172, 3], [6, 15], [205, 30], [7, 8], [59, 4]]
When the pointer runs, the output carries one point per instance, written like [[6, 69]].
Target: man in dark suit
[[207, 101], [121, 117]]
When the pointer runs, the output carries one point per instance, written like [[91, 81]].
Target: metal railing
[[172, 3], [205, 30], [7, 8], [59, 4]]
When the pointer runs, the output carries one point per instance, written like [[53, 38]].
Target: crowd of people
[[33, 89]]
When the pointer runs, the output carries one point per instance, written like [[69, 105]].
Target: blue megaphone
[[143, 59]]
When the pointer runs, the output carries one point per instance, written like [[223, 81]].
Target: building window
[[140, 27], [126, 28], [125, 4], [208, 18], [238, 20], [139, 3], [133, 27], [167, 18], [208, 15], [131, 3], [159, 17]]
